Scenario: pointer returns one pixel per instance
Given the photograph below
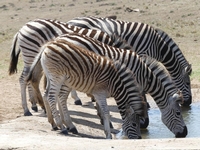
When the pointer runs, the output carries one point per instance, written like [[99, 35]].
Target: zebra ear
[[178, 97], [188, 69]]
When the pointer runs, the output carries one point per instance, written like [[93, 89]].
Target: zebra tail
[[14, 55]]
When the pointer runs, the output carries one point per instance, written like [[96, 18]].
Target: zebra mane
[[127, 73], [158, 70], [121, 68], [129, 79]]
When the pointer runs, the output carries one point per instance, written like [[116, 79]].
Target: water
[[157, 129]]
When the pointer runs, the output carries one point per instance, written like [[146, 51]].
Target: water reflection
[[157, 129]]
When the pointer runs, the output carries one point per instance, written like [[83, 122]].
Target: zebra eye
[[134, 124], [178, 113]]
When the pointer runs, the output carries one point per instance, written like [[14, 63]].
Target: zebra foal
[[144, 39], [68, 66], [151, 77]]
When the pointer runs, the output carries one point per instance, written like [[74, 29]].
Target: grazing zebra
[[178, 53], [29, 39], [151, 77], [68, 66], [144, 39]]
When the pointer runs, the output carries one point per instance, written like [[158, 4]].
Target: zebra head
[[127, 94], [131, 125], [171, 116], [186, 78]]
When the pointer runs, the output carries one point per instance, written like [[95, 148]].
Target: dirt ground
[[179, 18]]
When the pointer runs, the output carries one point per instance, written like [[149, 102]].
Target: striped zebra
[[68, 66], [151, 77], [144, 39], [29, 39]]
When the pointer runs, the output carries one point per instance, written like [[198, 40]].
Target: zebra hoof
[[78, 102], [73, 130], [55, 128], [65, 132], [34, 108], [27, 113], [93, 100], [144, 123]]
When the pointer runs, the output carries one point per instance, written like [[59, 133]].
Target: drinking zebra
[[151, 77], [68, 66], [33, 33], [144, 39], [29, 39]]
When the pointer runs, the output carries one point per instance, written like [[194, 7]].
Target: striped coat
[[28, 40], [144, 39], [85, 71], [152, 78]]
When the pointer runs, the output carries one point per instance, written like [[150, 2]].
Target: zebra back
[[39, 31], [93, 70], [151, 76], [144, 39]]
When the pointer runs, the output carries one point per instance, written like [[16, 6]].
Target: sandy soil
[[179, 18]]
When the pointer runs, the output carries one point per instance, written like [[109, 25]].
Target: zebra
[[29, 39], [176, 49], [149, 74], [34, 29], [68, 66], [144, 39]]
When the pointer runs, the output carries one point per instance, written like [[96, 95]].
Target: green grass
[[195, 72]]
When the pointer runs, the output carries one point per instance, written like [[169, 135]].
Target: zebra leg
[[77, 100], [101, 100], [63, 95], [35, 80], [53, 88], [31, 98], [99, 113], [92, 97], [23, 84], [49, 113]]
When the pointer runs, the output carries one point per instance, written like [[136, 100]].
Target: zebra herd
[[103, 57]]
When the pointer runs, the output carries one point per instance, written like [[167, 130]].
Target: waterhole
[[157, 129]]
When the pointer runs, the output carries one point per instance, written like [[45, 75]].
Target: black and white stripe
[[150, 75], [28, 40], [144, 39], [85, 71]]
